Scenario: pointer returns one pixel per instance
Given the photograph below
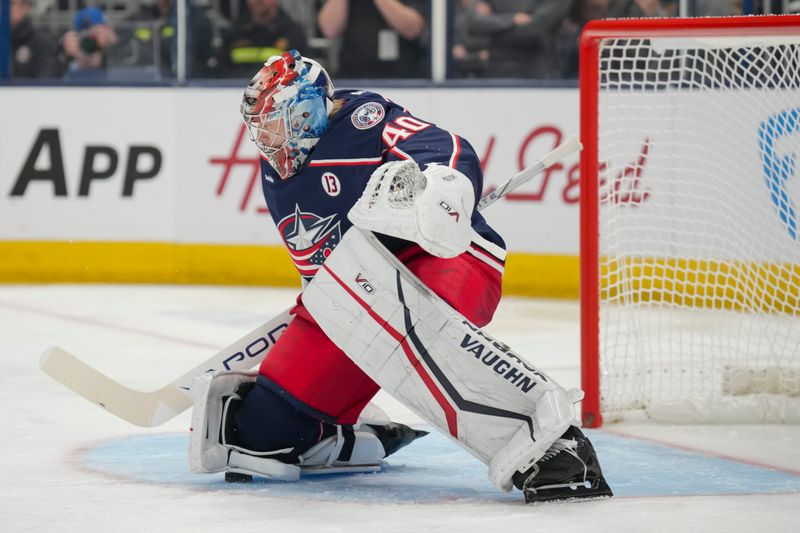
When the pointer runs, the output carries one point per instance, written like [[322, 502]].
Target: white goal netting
[[699, 228]]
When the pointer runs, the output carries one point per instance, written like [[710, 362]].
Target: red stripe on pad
[[449, 412]]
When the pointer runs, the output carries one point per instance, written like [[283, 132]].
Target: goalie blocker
[[471, 387]]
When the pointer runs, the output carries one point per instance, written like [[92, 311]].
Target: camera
[[88, 44]]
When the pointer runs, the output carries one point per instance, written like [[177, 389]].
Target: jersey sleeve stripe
[[399, 153], [484, 257], [489, 247], [456, 151], [345, 162], [488, 252]]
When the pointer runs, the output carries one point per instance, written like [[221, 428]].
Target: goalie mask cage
[[690, 215]]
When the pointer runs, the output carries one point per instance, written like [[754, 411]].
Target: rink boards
[[162, 185]]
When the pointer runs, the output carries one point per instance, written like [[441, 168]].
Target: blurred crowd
[[137, 40]]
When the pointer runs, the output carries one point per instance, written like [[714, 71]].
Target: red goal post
[[631, 72]]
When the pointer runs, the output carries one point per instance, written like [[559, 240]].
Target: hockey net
[[690, 206]]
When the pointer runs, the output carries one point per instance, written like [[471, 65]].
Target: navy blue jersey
[[310, 208]]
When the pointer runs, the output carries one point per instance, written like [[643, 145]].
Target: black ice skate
[[569, 470], [394, 436]]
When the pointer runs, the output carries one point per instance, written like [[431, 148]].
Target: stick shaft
[[571, 145], [149, 409]]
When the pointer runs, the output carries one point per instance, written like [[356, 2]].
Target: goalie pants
[[311, 373]]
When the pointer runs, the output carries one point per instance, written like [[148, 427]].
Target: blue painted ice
[[434, 469]]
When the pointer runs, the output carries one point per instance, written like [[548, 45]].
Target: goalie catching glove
[[432, 207]]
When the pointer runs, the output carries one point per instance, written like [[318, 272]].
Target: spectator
[[718, 8], [567, 40], [86, 47], [263, 32], [640, 8], [380, 39], [521, 35], [230, 9], [34, 52], [703, 8], [153, 30], [470, 52]]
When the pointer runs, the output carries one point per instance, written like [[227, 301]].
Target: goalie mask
[[285, 109]]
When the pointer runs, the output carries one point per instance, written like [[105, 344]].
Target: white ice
[[145, 336]]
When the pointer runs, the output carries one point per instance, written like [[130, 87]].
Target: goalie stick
[[148, 409], [572, 144]]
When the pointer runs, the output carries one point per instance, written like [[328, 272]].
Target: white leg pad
[[367, 451], [555, 411], [245, 463], [324, 457], [471, 387], [372, 414], [208, 453]]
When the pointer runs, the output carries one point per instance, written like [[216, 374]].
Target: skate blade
[[577, 491]]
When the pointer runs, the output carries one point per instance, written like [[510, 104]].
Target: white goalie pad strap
[[345, 449], [471, 387], [245, 463], [357, 450], [432, 207]]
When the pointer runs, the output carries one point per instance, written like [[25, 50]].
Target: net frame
[[590, 82]]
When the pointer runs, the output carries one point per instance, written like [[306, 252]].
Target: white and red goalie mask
[[285, 109]]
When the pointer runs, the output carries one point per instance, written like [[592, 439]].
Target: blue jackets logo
[[310, 239], [367, 115]]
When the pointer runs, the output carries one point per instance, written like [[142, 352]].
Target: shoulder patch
[[367, 115]]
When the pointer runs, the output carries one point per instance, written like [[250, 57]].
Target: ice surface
[[68, 466]]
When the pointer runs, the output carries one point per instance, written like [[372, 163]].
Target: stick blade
[[146, 409]]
